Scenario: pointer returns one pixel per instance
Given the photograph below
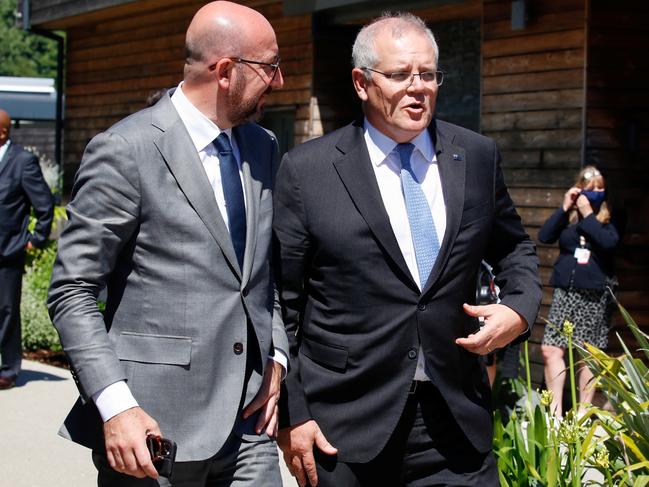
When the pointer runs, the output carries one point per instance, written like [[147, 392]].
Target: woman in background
[[581, 277]]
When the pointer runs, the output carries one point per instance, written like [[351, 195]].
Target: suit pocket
[[154, 349], [333, 356]]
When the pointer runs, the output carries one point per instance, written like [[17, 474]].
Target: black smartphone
[[163, 454]]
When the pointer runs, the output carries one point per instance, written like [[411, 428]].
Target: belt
[[420, 385]]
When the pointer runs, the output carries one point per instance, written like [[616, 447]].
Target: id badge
[[582, 255]]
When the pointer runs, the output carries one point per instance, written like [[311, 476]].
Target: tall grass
[[535, 448]]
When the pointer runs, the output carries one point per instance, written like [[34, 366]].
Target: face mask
[[596, 198]]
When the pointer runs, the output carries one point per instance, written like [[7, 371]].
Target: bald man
[[22, 188], [171, 210]]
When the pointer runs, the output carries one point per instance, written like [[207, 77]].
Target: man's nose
[[416, 84], [278, 80]]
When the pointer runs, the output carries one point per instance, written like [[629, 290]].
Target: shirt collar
[[380, 146], [201, 129], [4, 148]]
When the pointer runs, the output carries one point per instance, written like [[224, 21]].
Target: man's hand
[[126, 448], [266, 400], [296, 443], [501, 326]]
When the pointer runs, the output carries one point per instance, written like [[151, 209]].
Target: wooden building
[[558, 83]]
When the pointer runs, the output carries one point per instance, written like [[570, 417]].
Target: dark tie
[[233, 192], [422, 226]]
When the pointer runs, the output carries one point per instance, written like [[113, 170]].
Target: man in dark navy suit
[[381, 227], [22, 188]]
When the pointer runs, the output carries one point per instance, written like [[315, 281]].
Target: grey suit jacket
[[143, 221]]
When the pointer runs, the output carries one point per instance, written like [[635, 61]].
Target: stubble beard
[[241, 110]]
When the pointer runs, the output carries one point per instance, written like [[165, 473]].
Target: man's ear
[[360, 83], [223, 72]]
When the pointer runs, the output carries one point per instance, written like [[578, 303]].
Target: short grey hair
[[363, 53]]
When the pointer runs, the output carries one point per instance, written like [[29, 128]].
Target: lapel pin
[[457, 157]]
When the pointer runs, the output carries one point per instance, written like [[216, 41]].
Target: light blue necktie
[[422, 226], [233, 193]]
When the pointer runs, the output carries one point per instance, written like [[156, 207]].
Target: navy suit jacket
[[22, 187], [354, 314], [601, 240]]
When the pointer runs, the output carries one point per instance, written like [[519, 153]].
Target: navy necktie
[[422, 226], [233, 193]]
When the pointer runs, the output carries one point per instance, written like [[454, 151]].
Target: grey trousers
[[240, 463]]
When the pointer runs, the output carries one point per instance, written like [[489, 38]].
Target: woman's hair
[[588, 178]]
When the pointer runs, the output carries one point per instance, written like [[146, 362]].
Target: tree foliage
[[23, 53]]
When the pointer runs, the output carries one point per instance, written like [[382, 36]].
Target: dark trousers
[[11, 277], [428, 448]]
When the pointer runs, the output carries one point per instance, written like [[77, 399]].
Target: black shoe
[[7, 382]]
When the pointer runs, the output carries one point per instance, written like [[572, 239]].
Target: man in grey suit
[[171, 210]]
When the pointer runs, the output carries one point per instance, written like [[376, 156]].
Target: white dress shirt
[[4, 148], [117, 397], [387, 168]]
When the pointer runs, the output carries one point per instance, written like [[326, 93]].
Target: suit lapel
[[355, 171], [252, 190], [451, 160], [177, 149]]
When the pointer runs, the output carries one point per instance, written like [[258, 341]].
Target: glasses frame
[[439, 75], [274, 65], [159, 447]]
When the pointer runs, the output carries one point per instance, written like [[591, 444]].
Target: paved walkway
[[31, 452]]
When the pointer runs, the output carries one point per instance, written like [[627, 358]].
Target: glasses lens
[[165, 447], [153, 444], [400, 77], [428, 76], [275, 68]]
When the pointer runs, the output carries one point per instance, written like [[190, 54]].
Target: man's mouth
[[416, 107]]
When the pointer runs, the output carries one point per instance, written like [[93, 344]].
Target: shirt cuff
[[114, 399], [281, 358]]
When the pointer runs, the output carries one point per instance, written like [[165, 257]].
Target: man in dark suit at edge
[[22, 188], [381, 227]]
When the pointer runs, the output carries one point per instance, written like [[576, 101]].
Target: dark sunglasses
[[163, 454]]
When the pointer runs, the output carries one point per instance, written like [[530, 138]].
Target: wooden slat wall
[[114, 63], [335, 102], [617, 129], [532, 104]]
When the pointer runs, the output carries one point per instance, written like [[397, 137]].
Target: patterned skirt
[[589, 310]]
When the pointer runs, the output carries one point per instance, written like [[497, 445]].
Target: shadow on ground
[[32, 375]]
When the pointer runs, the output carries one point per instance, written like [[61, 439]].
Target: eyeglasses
[[427, 77], [159, 448], [274, 65], [591, 174]]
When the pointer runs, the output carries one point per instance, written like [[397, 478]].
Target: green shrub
[[534, 448], [38, 331]]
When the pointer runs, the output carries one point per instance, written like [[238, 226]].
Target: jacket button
[[412, 353], [421, 307], [238, 348]]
